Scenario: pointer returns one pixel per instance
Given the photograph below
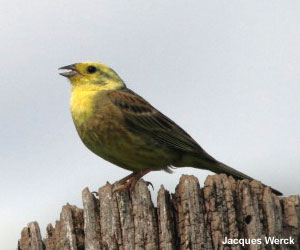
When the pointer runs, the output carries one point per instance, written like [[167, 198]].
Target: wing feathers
[[144, 119]]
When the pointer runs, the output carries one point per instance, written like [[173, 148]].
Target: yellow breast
[[81, 104]]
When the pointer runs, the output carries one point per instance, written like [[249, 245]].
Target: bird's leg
[[123, 180], [136, 178], [129, 181]]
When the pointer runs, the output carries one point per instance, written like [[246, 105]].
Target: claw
[[95, 193], [148, 183]]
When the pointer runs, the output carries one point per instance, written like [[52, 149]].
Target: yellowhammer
[[123, 128]]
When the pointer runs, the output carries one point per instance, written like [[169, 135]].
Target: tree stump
[[225, 209]]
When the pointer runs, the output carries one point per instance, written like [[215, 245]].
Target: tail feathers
[[222, 168], [218, 167]]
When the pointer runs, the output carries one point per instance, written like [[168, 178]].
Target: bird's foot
[[130, 181], [121, 186]]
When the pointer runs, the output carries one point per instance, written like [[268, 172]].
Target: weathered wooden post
[[224, 214]]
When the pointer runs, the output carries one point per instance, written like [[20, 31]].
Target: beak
[[72, 71]]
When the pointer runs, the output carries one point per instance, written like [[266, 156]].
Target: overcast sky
[[226, 71]]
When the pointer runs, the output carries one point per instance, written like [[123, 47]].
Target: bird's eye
[[91, 69]]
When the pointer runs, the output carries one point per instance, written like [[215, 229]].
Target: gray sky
[[226, 71]]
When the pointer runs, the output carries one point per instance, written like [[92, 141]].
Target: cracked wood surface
[[191, 218]]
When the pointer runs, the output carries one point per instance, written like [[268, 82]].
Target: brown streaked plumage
[[123, 128]]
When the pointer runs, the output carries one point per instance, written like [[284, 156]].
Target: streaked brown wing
[[144, 119]]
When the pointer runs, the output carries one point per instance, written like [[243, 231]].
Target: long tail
[[219, 167]]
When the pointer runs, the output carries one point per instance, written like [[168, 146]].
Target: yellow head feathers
[[93, 75]]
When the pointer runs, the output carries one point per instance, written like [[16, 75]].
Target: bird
[[123, 128]]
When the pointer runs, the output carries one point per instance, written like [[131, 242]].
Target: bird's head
[[92, 75]]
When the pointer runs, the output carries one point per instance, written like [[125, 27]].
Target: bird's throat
[[81, 104]]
